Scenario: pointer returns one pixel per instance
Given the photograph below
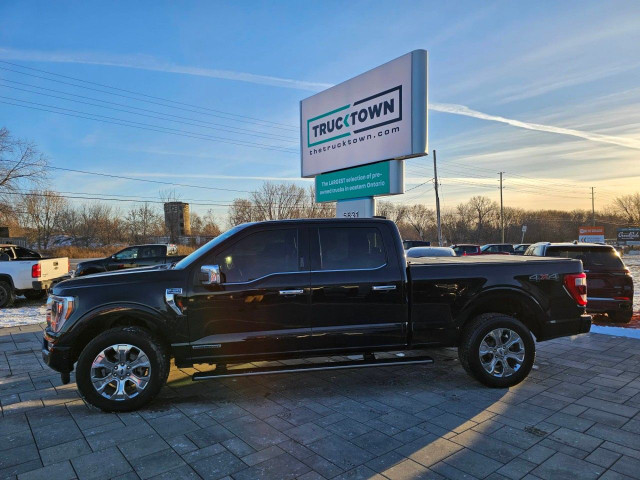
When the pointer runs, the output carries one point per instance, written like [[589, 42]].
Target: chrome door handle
[[383, 288], [292, 292]]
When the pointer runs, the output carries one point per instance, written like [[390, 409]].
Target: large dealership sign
[[629, 236], [591, 234], [379, 115]]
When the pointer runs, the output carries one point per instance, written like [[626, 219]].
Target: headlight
[[59, 309]]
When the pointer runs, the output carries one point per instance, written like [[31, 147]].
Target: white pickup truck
[[25, 272]]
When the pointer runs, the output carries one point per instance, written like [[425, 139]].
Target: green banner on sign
[[365, 181]]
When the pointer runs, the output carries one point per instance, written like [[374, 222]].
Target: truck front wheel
[[496, 349], [122, 369]]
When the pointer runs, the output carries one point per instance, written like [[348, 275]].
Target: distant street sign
[[383, 178], [629, 236], [524, 228], [591, 234]]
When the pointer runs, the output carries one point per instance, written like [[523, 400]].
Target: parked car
[[609, 281], [131, 257], [497, 248], [463, 249], [520, 248], [304, 288], [407, 244], [25, 272], [419, 252]]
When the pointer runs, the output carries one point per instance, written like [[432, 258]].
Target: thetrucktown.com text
[[345, 142]]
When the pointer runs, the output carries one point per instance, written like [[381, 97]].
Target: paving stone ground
[[576, 417]]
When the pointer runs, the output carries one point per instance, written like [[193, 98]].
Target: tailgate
[[52, 268]]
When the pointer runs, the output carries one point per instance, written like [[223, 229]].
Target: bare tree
[[20, 161], [392, 211], [312, 209], [628, 206], [41, 213], [276, 201], [485, 211], [422, 219], [142, 221], [95, 223], [241, 211], [205, 225]]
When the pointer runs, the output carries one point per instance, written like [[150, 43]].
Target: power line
[[143, 126], [224, 128], [247, 119], [160, 182]]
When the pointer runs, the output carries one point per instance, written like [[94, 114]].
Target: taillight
[[576, 285], [36, 270]]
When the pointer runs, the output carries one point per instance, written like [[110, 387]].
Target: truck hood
[[91, 263], [131, 276]]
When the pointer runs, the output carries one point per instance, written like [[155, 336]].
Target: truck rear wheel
[[7, 295], [496, 349], [122, 369]]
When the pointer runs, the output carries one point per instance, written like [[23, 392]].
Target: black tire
[[7, 295], [473, 335], [35, 294], [140, 339], [620, 316]]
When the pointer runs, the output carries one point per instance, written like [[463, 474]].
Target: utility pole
[[501, 209], [593, 207], [435, 180]]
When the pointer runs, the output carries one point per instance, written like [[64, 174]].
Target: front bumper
[[565, 327], [56, 357]]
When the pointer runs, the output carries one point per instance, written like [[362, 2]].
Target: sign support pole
[[435, 180], [356, 208]]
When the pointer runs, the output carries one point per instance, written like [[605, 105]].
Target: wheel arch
[[7, 278], [508, 301], [101, 320]]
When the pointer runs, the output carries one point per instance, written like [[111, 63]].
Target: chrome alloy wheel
[[501, 352], [120, 372]]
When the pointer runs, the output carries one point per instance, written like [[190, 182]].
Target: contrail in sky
[[594, 137], [145, 62]]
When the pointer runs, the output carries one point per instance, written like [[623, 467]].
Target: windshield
[[592, 257], [193, 256]]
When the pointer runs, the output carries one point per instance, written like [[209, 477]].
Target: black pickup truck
[[131, 257], [304, 288]]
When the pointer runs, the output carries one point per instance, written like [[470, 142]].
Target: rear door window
[[351, 248], [592, 257]]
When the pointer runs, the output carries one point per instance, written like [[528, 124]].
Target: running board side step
[[310, 367]]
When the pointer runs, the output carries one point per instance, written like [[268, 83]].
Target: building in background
[[177, 220]]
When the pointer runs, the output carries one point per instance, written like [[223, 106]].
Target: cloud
[[146, 62], [594, 137]]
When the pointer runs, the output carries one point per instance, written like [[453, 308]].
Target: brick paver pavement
[[577, 416]]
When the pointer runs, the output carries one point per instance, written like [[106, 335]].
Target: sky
[[206, 94]]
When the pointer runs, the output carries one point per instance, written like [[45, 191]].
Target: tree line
[[43, 215]]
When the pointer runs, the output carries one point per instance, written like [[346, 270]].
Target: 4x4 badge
[[543, 276]]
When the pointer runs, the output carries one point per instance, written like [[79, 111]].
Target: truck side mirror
[[210, 275]]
